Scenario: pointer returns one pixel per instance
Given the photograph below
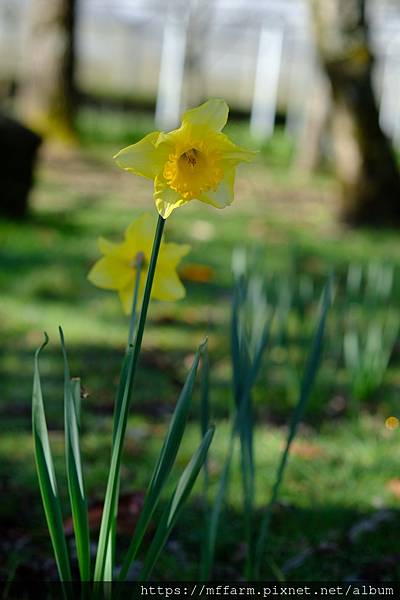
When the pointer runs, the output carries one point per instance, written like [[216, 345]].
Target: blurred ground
[[338, 516]]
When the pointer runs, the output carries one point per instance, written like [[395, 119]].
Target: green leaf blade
[[176, 504], [307, 382], [46, 475], [164, 464], [76, 486]]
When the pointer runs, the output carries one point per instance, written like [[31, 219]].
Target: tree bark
[[310, 153], [365, 161], [18, 149], [199, 19], [46, 92]]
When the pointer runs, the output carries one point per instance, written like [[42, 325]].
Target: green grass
[[344, 459], [312, 513]]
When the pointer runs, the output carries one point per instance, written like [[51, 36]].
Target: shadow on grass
[[321, 543], [157, 387]]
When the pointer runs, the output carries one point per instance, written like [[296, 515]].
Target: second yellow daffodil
[[196, 161], [117, 269]]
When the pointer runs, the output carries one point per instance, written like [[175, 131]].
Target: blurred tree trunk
[[199, 18], [310, 154], [46, 94], [365, 161], [18, 149]]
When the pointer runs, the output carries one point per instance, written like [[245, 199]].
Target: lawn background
[[338, 513]]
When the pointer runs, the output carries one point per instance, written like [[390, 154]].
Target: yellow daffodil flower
[[117, 269], [196, 161]]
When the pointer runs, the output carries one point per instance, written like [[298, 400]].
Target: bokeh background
[[314, 86]]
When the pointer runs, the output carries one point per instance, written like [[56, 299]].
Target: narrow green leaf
[[76, 486], [204, 426], [205, 388], [126, 373], [174, 507], [164, 464], [305, 390], [216, 509], [111, 498], [46, 474], [76, 393], [237, 350], [250, 328], [211, 534]]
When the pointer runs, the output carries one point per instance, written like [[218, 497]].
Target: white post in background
[[396, 129], [389, 109], [300, 80], [265, 96], [170, 81]]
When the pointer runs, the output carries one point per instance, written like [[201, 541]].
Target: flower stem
[[132, 323], [149, 285], [110, 560], [122, 409]]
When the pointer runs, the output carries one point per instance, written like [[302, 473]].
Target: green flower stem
[[149, 284], [133, 319], [122, 410], [132, 328]]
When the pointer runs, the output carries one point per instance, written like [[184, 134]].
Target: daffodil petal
[[105, 246], [223, 195], [143, 226], [213, 115], [144, 158], [117, 251], [126, 294], [126, 297], [115, 270], [171, 253], [140, 234], [167, 286], [168, 140], [231, 153], [110, 274], [166, 198]]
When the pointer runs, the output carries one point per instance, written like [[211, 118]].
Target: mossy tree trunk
[[365, 161], [46, 94]]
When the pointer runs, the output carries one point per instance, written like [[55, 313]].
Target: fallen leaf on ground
[[307, 450]]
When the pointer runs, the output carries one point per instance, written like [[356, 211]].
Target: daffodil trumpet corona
[[195, 162]]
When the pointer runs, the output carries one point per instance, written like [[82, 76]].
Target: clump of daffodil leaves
[[196, 161]]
